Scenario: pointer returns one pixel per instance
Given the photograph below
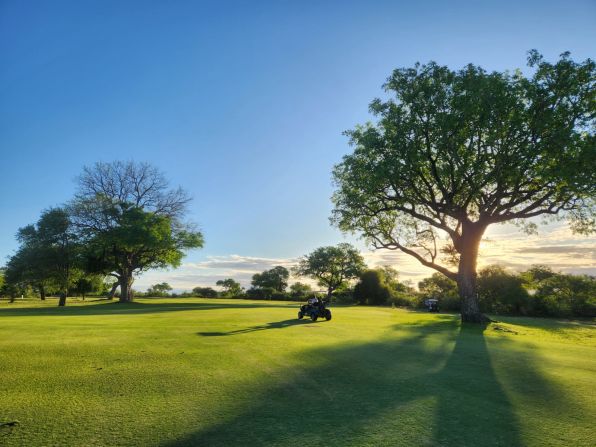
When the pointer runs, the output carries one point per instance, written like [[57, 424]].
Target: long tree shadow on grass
[[115, 308], [261, 327], [419, 390]]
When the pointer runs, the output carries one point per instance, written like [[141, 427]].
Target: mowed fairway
[[234, 372]]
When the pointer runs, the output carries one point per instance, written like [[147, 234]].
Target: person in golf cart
[[313, 300]]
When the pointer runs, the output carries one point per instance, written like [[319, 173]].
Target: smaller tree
[[372, 289], [48, 255], [158, 290], [204, 292], [88, 284], [232, 289], [276, 278], [299, 290], [332, 266]]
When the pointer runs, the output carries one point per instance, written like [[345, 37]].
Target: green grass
[[234, 372]]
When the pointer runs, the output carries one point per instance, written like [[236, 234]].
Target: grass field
[[232, 372]]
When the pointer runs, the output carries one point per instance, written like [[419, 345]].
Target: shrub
[[371, 289], [261, 293], [500, 292], [404, 299], [343, 296], [281, 296], [441, 288], [566, 296], [300, 291], [204, 292]]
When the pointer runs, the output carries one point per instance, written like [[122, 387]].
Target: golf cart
[[432, 305], [314, 309]]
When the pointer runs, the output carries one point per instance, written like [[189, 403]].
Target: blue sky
[[241, 103]]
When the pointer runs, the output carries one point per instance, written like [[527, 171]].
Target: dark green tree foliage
[[231, 288], [566, 296], [392, 279], [536, 274], [453, 152], [161, 289], [275, 278], [131, 221], [372, 288], [441, 288], [87, 284], [204, 292], [332, 266], [300, 290], [261, 293], [48, 255], [501, 292]]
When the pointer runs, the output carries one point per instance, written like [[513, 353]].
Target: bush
[[500, 292], [405, 299], [300, 291], [281, 296], [441, 288], [343, 296], [261, 293], [371, 289], [565, 296], [204, 292]]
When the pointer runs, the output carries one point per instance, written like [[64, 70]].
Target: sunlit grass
[[235, 372]]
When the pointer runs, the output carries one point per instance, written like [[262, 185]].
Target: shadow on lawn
[[409, 392], [261, 327], [116, 308]]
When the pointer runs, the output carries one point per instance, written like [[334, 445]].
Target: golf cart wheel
[[300, 315], [327, 315], [314, 317]]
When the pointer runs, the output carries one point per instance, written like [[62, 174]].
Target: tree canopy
[[332, 266], [453, 152], [275, 278], [231, 287], [131, 221], [48, 255], [160, 289]]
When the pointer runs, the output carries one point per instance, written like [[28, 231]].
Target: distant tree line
[[538, 291], [48, 261]]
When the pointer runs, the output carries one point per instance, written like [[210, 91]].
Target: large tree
[[131, 221], [275, 278], [332, 266], [453, 152]]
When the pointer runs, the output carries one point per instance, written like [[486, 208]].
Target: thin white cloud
[[503, 245]]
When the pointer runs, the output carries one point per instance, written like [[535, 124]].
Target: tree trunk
[[62, 299], [126, 281], [466, 276], [113, 290], [329, 294], [42, 292]]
